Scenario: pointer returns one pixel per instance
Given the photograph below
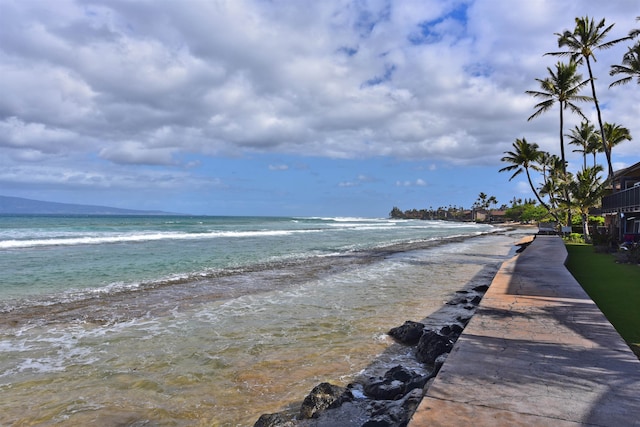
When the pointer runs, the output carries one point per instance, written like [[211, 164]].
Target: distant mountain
[[17, 205]]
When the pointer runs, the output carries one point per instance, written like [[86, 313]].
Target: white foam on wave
[[142, 237], [45, 351], [7, 346], [348, 219], [40, 351]]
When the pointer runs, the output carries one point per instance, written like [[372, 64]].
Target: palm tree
[[515, 201], [554, 179], [615, 134], [481, 202], [491, 201], [635, 32], [545, 163], [524, 157], [586, 138], [593, 147], [586, 38], [586, 191], [630, 66], [562, 86]]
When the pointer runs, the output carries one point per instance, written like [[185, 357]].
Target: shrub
[[574, 238], [628, 255]]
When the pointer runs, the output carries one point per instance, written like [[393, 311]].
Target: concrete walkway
[[538, 352]]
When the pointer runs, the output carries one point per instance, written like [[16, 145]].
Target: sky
[[288, 107]]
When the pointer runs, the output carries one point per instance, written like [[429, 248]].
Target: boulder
[[463, 320], [409, 333], [323, 396], [273, 420], [481, 288], [395, 384], [394, 413], [452, 331], [457, 300], [431, 346], [380, 421]]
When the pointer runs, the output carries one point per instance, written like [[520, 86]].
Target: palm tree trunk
[[564, 163], [605, 146], [585, 228], [538, 196]]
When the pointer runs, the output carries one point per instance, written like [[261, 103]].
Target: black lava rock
[[272, 420], [409, 333], [395, 384], [431, 346], [323, 396], [481, 288]]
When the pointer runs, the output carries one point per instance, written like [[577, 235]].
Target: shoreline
[[264, 350], [56, 308], [328, 405]]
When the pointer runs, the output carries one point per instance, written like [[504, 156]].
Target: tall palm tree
[[515, 201], [615, 134], [581, 43], [586, 138], [545, 161], [554, 181], [524, 157], [593, 147], [562, 86], [630, 66], [636, 31], [586, 191], [481, 202]]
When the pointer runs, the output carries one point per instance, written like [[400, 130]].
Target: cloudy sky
[[286, 107]]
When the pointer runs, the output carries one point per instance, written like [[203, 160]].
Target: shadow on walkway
[[537, 352]]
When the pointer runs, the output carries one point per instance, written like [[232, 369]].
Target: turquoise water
[[49, 255], [172, 320]]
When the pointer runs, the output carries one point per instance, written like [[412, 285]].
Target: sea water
[[182, 321]]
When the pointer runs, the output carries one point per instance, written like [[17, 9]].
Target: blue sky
[[253, 107]]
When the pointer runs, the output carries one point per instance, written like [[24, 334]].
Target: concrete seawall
[[537, 352]]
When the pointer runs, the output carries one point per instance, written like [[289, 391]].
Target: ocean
[[212, 321]]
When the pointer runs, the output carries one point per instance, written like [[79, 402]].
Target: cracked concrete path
[[537, 352]]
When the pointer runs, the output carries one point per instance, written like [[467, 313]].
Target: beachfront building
[[488, 215], [621, 207]]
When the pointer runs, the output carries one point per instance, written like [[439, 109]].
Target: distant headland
[[18, 206]]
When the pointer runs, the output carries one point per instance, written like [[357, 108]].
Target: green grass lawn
[[614, 287]]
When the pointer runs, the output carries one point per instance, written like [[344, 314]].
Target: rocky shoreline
[[388, 398]]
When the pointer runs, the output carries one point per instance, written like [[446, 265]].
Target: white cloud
[[132, 152], [136, 83], [278, 167], [417, 183], [361, 179], [17, 135]]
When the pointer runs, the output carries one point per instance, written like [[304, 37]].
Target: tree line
[[562, 193], [519, 210]]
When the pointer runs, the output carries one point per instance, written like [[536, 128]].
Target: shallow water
[[226, 344]]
